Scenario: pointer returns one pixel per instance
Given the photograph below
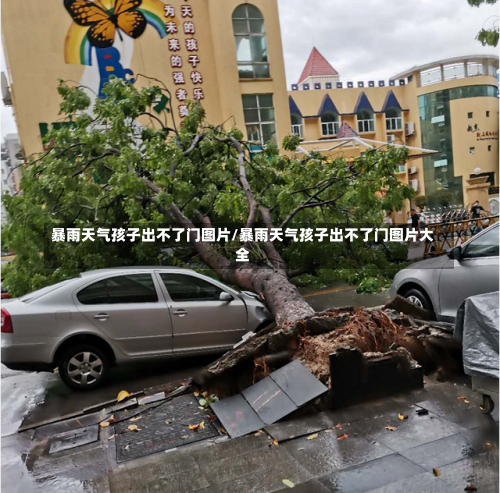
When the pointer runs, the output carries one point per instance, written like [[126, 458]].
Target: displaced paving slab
[[162, 428], [269, 401], [298, 383], [237, 416]]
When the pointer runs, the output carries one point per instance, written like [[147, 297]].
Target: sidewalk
[[453, 437]]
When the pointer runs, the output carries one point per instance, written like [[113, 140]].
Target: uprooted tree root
[[314, 338]]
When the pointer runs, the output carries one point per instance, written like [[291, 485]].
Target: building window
[[366, 122], [489, 148], [329, 124], [470, 115], [487, 114], [393, 120], [472, 150], [259, 118], [251, 45], [297, 125]]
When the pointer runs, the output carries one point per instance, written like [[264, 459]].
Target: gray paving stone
[[298, 427], [372, 475], [450, 449], [422, 483], [238, 465], [326, 453], [311, 486], [414, 431], [266, 480], [167, 472], [480, 471]]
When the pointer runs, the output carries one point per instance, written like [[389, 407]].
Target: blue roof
[[363, 103], [326, 106], [391, 102], [294, 109]]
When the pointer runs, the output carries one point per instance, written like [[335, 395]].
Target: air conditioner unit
[[414, 185], [412, 170], [6, 96], [409, 128], [391, 139]]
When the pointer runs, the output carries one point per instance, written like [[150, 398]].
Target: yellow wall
[[34, 39]]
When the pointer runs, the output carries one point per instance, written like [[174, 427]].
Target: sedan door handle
[[180, 312], [101, 316]]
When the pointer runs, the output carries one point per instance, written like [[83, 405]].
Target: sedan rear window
[[134, 288]]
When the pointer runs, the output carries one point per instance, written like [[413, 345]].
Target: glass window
[[133, 288], [485, 245], [487, 114], [259, 118], [251, 45], [182, 287], [329, 123], [366, 122], [469, 115]]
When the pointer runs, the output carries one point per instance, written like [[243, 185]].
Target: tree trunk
[[272, 284], [275, 289]]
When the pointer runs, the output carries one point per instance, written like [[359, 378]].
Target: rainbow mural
[[78, 50]]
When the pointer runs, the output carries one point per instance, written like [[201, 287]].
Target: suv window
[[134, 288], [181, 287], [485, 245]]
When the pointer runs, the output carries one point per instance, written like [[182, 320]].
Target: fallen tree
[[315, 337], [102, 168]]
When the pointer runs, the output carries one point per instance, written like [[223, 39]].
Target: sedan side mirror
[[455, 253], [225, 297]]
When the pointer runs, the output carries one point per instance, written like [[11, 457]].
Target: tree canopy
[[120, 163]]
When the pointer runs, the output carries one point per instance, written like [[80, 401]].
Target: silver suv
[[110, 316]]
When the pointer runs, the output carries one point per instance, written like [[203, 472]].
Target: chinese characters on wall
[[184, 59]]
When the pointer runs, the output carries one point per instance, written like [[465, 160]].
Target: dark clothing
[[475, 210], [414, 220]]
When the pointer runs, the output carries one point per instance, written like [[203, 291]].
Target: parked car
[[4, 293], [111, 316], [440, 284]]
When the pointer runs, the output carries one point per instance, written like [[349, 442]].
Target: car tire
[[418, 298], [83, 366]]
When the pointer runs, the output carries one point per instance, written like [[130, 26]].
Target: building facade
[[11, 156], [448, 106], [228, 54]]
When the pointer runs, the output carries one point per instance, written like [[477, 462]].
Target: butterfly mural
[[104, 22]]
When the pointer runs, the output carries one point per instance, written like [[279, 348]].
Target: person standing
[[476, 210], [388, 219], [415, 221]]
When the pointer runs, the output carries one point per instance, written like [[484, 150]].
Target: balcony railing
[[366, 126], [330, 128], [394, 123], [298, 130]]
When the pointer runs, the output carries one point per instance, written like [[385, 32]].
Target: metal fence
[[452, 234]]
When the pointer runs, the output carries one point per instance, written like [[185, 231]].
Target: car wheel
[[83, 367], [418, 298]]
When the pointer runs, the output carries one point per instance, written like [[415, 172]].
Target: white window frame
[[394, 123], [366, 126], [261, 123], [334, 127], [298, 130], [249, 34]]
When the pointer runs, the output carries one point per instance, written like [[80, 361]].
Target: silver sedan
[[441, 284], [110, 316]]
